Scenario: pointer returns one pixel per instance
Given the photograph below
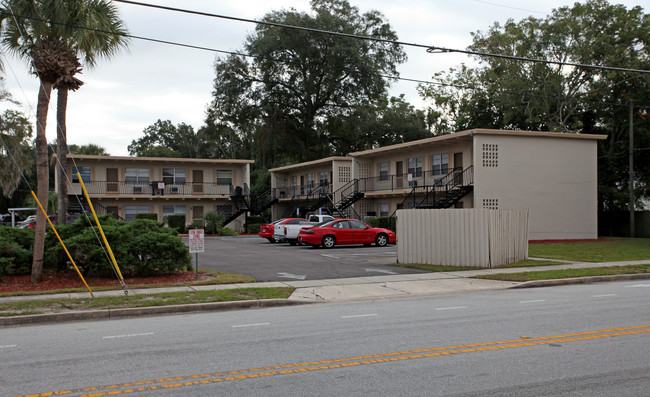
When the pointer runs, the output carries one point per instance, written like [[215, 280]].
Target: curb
[[582, 280], [109, 314]]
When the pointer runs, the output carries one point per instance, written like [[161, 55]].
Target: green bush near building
[[142, 247], [147, 215], [385, 222], [16, 247], [177, 222]]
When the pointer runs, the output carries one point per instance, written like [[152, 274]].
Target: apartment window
[[322, 178], [224, 177], [294, 181], [174, 176], [383, 209], [136, 175], [414, 165], [130, 211], [173, 210], [85, 174], [310, 180], [383, 171], [440, 164]]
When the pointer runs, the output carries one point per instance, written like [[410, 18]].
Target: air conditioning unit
[[137, 189], [173, 189]]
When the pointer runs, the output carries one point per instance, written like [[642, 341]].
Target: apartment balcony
[[152, 189], [401, 184]]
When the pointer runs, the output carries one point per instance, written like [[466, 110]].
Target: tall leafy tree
[[47, 34], [296, 82], [16, 150], [511, 94], [88, 149]]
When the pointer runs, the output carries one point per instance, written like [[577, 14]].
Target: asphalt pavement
[[387, 286]]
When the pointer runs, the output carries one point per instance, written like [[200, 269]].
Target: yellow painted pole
[[61, 241], [101, 231]]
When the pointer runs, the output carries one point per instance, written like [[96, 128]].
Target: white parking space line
[[452, 308], [250, 325], [603, 295], [7, 346], [533, 301], [331, 256], [361, 315], [638, 286], [127, 335]]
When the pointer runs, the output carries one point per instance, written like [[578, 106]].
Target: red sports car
[[266, 229], [345, 231]]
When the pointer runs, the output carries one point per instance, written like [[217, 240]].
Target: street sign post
[[197, 244]]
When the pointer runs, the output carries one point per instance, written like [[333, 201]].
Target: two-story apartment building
[[305, 187], [127, 186], [554, 175]]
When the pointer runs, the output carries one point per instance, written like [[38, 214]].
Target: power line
[[430, 49], [203, 48]]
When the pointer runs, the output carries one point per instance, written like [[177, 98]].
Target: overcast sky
[[151, 81]]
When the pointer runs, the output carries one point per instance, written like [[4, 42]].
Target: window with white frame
[[322, 178], [414, 167], [130, 211], [224, 177], [173, 210], [174, 176], [310, 180], [136, 175], [85, 174], [440, 164], [383, 209], [383, 171]]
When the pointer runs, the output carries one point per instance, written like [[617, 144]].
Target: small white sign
[[161, 185], [196, 241], [410, 177]]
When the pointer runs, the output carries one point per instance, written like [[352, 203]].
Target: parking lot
[[256, 257]]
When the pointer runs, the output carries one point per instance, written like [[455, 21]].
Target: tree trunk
[[61, 155], [42, 177]]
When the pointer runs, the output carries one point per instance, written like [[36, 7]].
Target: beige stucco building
[[127, 186], [305, 187], [553, 175]]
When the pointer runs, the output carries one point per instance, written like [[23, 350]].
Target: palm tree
[[104, 35], [48, 35]]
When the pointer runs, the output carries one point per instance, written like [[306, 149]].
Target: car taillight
[[285, 231]]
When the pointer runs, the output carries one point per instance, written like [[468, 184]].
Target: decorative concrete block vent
[[462, 237]]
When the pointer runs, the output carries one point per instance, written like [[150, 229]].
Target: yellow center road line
[[310, 366]]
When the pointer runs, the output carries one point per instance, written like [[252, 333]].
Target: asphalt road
[[586, 340], [256, 257]]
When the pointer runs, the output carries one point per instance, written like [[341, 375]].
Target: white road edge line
[[7, 346], [127, 335], [452, 308], [250, 325], [603, 295], [533, 301], [360, 315]]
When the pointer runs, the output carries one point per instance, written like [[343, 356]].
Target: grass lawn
[[623, 249], [569, 273], [143, 300]]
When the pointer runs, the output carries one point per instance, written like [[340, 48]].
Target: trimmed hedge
[[176, 221]]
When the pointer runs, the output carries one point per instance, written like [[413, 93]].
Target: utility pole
[[631, 159]]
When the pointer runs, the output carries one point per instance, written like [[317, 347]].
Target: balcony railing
[[302, 191], [402, 182], [122, 188]]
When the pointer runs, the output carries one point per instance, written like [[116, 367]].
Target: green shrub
[[176, 221], [226, 231], [213, 221], [385, 222], [147, 215], [16, 248], [254, 228], [141, 247]]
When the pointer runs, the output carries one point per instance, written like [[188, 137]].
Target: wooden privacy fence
[[462, 237]]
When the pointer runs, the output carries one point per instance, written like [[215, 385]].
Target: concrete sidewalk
[[330, 290]]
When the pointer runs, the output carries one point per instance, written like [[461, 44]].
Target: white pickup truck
[[289, 231]]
